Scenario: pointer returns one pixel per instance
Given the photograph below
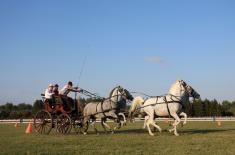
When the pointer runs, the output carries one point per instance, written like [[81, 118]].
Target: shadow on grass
[[132, 131], [204, 131]]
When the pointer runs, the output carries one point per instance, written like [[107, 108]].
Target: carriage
[[55, 114]]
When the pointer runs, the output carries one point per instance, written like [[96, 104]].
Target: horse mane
[[138, 101], [111, 93]]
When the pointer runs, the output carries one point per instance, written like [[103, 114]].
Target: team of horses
[[169, 105]]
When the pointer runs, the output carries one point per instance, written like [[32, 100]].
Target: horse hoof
[[176, 134], [85, 133], [151, 134]]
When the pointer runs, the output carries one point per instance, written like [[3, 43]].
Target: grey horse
[[108, 108]]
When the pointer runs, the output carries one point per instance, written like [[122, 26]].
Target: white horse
[[169, 105], [140, 100], [109, 108]]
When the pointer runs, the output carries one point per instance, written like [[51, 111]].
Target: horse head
[[189, 90], [181, 89], [119, 93]]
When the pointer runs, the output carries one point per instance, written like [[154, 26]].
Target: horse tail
[[138, 101], [80, 106]]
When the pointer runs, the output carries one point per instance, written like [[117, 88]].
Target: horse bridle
[[192, 93], [122, 93]]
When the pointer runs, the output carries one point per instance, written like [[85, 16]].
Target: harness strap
[[165, 102], [167, 106], [96, 110]]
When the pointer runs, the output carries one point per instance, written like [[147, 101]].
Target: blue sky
[[142, 45]]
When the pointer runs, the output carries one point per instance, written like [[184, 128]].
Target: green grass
[[196, 138]]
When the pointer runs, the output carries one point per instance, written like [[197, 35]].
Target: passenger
[[56, 96], [49, 91], [56, 89], [49, 94]]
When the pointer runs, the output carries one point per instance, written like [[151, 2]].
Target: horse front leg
[[176, 122], [184, 115], [115, 118], [123, 122]]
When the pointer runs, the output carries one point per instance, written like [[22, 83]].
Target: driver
[[65, 91]]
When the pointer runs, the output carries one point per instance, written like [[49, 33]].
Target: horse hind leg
[[94, 126], [148, 127], [105, 125], [156, 126], [102, 124], [145, 122], [149, 121], [86, 125]]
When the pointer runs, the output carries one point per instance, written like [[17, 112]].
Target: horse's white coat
[[179, 92]]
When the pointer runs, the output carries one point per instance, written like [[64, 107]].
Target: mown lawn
[[197, 138]]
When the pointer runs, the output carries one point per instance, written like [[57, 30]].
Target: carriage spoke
[[43, 122], [64, 124]]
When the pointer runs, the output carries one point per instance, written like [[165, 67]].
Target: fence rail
[[191, 119]]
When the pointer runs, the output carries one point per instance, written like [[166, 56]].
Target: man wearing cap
[[49, 94], [49, 91]]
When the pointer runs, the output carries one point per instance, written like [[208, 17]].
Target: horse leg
[[116, 118], [86, 124], [123, 122], [119, 122], [156, 126], [93, 124], [145, 121], [149, 121], [185, 117], [176, 122], [102, 123]]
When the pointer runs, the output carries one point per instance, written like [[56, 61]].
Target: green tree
[[37, 105]]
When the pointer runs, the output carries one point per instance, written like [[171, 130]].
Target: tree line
[[199, 108]]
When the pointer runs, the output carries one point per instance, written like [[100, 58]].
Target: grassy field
[[197, 138]]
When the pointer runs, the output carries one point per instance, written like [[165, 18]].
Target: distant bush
[[200, 108]]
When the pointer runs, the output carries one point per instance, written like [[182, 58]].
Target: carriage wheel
[[64, 124], [43, 122], [78, 127]]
